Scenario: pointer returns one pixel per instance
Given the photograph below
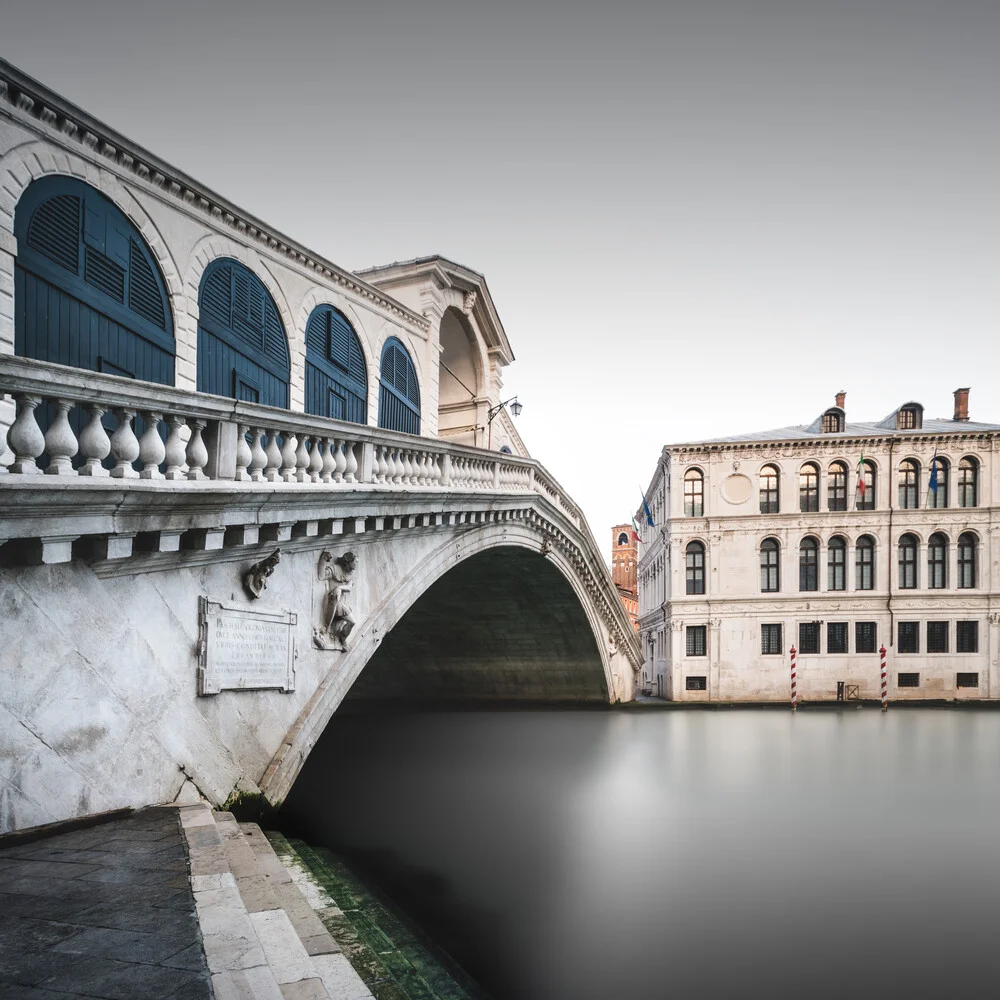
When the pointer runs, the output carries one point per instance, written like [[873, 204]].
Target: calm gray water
[[680, 853]]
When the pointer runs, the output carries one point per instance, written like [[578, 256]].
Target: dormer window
[[833, 421], [910, 417]]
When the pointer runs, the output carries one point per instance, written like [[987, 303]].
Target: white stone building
[[765, 541]]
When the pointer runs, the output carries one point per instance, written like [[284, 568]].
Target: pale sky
[[695, 218]]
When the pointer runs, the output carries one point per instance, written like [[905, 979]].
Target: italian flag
[[635, 530], [861, 475]]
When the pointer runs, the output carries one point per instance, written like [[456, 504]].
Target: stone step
[[263, 940], [384, 950]]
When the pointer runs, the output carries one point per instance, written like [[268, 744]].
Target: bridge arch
[[517, 544]]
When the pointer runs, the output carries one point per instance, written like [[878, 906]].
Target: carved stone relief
[[255, 578], [338, 619]]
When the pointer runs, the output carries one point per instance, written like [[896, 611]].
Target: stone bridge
[[139, 666]]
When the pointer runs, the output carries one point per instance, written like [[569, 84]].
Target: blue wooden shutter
[[54, 231]]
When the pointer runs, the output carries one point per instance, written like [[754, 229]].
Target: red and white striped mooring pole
[[885, 703], [795, 697]]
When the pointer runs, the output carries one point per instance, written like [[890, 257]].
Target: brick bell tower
[[624, 569]]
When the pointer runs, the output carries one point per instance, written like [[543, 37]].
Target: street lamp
[[515, 408]]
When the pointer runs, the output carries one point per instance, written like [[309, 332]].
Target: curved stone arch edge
[[291, 756]]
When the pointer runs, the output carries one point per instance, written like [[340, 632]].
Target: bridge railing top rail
[[103, 425]]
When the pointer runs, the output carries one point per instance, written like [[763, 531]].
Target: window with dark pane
[[908, 418], [696, 683], [809, 564], [968, 482], [938, 499], [694, 493], [809, 488], [836, 637], [695, 638], [937, 637], [908, 637], [694, 556], [770, 555], [836, 556], [967, 559], [866, 497], [770, 639], [937, 561], [967, 637], [833, 422], [909, 484], [864, 563], [865, 637], [908, 680], [808, 638], [908, 562], [967, 680], [836, 489], [769, 498]]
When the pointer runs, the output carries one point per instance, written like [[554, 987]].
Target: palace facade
[[836, 538]]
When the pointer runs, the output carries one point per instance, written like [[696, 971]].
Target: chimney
[[961, 404], [841, 396]]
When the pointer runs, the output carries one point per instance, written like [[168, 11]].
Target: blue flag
[[645, 507], [932, 483]]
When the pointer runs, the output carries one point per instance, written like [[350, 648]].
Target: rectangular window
[[864, 637], [967, 637], [695, 640], [967, 680], [908, 680], [808, 638], [836, 637], [696, 683], [770, 639], [909, 637], [937, 637]]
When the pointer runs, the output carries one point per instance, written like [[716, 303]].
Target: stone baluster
[[445, 478], [151, 447], [316, 459], [382, 466], [197, 453], [272, 473], [329, 460], [421, 468], [397, 467], [244, 456], [350, 470], [25, 437], [288, 448], [436, 477], [340, 461], [407, 468], [95, 445], [125, 446], [258, 457], [302, 461], [175, 452], [60, 441]]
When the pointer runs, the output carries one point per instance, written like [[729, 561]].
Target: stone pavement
[[103, 912]]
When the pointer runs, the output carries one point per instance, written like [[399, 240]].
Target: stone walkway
[[104, 912]]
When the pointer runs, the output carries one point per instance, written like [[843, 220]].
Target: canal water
[[630, 854]]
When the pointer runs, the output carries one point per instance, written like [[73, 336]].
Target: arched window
[[865, 487], [908, 562], [694, 493], [833, 421], [88, 291], [809, 564], [694, 558], [336, 374], [968, 482], [836, 488], [937, 484], [398, 390], [769, 498], [864, 563], [937, 561], [770, 574], [967, 559], [909, 484], [809, 487], [623, 538], [242, 349], [836, 555]]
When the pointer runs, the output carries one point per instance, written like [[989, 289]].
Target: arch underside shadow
[[503, 625]]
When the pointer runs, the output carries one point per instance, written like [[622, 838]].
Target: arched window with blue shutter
[[88, 291], [242, 349], [336, 374], [398, 391]]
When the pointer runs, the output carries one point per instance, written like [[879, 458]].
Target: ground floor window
[[836, 637], [695, 683], [967, 638], [937, 637], [864, 637], [967, 680], [770, 639], [808, 637], [695, 640], [909, 637], [908, 680]]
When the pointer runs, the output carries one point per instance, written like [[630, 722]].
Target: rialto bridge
[[241, 485]]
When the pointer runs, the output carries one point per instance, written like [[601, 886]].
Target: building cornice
[[35, 102]]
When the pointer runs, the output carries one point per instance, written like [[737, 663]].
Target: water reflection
[[709, 854]]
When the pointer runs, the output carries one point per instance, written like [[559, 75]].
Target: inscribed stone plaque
[[245, 648]]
